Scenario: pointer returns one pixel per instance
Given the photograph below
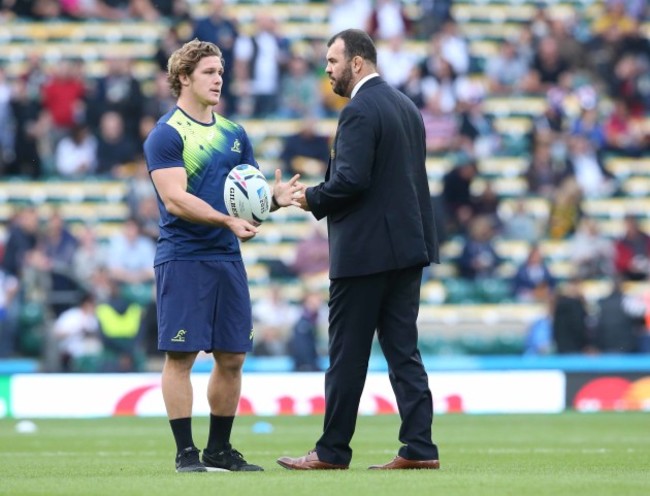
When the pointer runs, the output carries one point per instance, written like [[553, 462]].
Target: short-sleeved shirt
[[207, 152]]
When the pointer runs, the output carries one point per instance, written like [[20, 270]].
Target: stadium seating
[[456, 316]]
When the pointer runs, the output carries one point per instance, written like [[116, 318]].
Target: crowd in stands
[[593, 75]]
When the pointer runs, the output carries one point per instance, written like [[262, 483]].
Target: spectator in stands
[[89, 10], [570, 319], [148, 217], [562, 30], [566, 209], [613, 24], [77, 333], [139, 186], [131, 255], [441, 126], [346, 14], [45, 9], [611, 31], [311, 259], [636, 9], [589, 125], [586, 165], [273, 316], [591, 254], [387, 20], [533, 280], [221, 30], [115, 148], [477, 132], [539, 337], [31, 127], [34, 75], [22, 237], [548, 66], [624, 131], [76, 153], [486, 204], [619, 321], [260, 60], [175, 11], [629, 81], [299, 93], [161, 101], [439, 78], [168, 43], [9, 9], [7, 133], [395, 61], [62, 97], [520, 223], [632, 252], [118, 10], [526, 43], [9, 296], [56, 249], [306, 152], [120, 322], [507, 70], [543, 174], [118, 91], [540, 23], [434, 13], [89, 258], [413, 86], [479, 258], [550, 124], [303, 345], [457, 193], [451, 45]]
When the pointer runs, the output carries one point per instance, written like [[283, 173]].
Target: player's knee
[[230, 363]]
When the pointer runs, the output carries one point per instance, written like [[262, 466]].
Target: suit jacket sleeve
[[350, 170]]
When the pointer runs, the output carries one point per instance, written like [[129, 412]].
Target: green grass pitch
[[555, 455]]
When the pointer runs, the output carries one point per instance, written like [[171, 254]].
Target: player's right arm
[[171, 184], [164, 153]]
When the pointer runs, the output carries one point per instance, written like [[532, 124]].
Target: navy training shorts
[[203, 305]]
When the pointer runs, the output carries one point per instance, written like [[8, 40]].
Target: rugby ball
[[247, 194]]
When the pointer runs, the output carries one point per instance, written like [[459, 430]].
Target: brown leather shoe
[[308, 462], [399, 463]]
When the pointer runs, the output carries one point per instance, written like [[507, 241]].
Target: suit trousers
[[387, 302]]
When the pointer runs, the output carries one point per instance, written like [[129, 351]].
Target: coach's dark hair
[[357, 42]]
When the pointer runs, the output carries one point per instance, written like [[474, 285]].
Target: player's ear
[[184, 79]]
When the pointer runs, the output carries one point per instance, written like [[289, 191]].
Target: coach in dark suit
[[381, 234]]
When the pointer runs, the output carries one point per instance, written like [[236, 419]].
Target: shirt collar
[[360, 83]]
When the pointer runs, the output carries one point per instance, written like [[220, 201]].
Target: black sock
[[182, 430], [219, 436]]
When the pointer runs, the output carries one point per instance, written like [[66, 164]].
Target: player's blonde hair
[[185, 59]]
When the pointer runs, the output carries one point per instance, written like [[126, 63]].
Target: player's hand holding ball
[[249, 199]]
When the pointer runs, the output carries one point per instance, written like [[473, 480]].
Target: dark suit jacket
[[376, 193]]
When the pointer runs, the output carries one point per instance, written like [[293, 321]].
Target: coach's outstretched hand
[[282, 195], [300, 197]]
